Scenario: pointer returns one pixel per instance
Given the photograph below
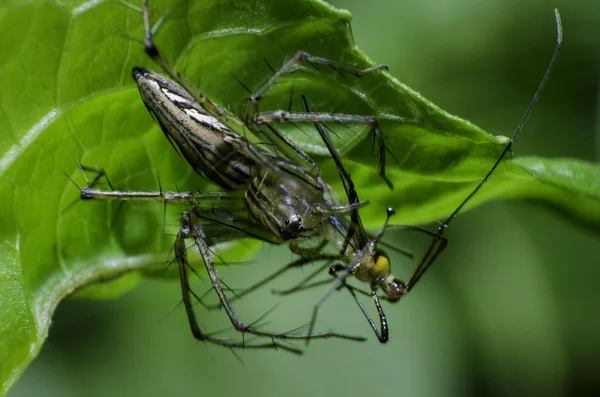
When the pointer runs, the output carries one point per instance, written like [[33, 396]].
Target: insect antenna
[[439, 243]]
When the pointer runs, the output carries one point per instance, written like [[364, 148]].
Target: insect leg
[[382, 336]]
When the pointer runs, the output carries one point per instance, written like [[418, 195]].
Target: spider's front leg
[[192, 229]]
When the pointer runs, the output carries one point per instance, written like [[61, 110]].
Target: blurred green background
[[511, 309]]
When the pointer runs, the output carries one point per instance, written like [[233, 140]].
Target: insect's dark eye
[[395, 289]]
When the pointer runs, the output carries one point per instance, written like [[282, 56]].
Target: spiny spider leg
[[181, 255], [252, 114], [225, 210], [220, 208], [190, 228], [281, 116], [251, 109], [191, 198]]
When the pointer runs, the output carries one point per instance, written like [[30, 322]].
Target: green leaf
[[66, 94]]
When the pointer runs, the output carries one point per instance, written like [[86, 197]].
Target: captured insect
[[225, 150]]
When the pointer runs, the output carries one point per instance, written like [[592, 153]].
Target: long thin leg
[[192, 229], [383, 335], [181, 255], [252, 114], [206, 199], [224, 209], [320, 283], [192, 198], [437, 246], [251, 109], [282, 116]]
